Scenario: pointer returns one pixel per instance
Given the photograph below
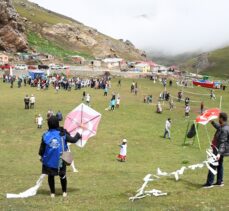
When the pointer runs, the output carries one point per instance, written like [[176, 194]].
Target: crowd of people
[[55, 141]]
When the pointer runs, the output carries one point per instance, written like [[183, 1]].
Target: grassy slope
[[38, 15], [103, 183], [219, 60], [43, 45]]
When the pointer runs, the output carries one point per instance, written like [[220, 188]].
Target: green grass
[[220, 61], [103, 183], [38, 15], [45, 46]]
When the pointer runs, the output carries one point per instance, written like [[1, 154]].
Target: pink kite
[[83, 120], [208, 116]]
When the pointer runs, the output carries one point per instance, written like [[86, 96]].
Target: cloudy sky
[[169, 26]]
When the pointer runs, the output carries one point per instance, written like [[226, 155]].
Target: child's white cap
[[124, 141]]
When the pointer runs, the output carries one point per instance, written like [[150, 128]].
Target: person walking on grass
[[105, 90], [171, 104], [159, 108], [220, 147], [26, 101], [132, 87], [113, 102], [212, 95], [88, 99], [53, 144], [32, 101], [202, 108], [118, 102], [39, 121], [167, 128], [84, 96], [187, 111], [123, 151], [59, 116], [119, 83], [136, 89]]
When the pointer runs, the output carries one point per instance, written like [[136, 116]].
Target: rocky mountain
[[12, 36], [46, 30]]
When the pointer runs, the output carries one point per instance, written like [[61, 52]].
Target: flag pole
[[220, 103]]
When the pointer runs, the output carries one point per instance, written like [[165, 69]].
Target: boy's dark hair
[[53, 122], [223, 116]]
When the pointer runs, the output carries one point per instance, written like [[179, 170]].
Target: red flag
[[208, 116]]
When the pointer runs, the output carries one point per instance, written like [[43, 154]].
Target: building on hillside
[[77, 59], [142, 67], [111, 63], [4, 59], [44, 57], [35, 57]]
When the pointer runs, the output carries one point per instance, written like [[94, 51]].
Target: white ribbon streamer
[[28, 193], [142, 193]]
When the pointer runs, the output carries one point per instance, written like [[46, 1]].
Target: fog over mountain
[[167, 26]]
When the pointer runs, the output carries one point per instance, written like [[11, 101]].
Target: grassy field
[[45, 46], [103, 183]]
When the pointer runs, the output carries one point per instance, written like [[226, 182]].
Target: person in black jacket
[[53, 125], [26, 101], [220, 147]]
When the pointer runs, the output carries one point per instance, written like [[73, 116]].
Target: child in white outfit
[[123, 151]]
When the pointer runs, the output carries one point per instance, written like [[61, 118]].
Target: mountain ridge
[[67, 34]]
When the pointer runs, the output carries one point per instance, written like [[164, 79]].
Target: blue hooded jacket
[[53, 149]]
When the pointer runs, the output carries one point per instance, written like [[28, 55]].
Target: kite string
[[196, 93], [192, 101]]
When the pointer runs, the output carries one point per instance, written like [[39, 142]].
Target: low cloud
[[168, 26]]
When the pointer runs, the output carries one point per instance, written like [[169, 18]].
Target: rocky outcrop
[[12, 36], [65, 32], [73, 34], [79, 36], [202, 62]]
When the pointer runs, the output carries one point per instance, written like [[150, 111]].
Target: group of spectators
[[29, 101]]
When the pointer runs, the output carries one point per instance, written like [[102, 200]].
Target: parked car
[[64, 67], [21, 67], [6, 66], [54, 67], [58, 67], [43, 67]]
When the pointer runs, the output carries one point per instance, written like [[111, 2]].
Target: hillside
[[170, 60], [214, 63], [12, 37], [49, 32]]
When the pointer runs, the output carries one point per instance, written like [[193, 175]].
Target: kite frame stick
[[185, 138], [220, 103], [207, 134], [197, 135]]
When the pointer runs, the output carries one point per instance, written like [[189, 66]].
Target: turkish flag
[[208, 116]]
